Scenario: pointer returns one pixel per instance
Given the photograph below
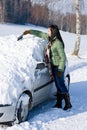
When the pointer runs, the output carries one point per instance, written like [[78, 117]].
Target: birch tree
[[77, 43]]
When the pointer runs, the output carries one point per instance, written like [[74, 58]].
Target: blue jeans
[[59, 81]]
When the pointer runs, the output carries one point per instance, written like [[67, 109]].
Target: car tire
[[22, 108]]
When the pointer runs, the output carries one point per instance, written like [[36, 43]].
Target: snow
[[17, 61], [44, 117]]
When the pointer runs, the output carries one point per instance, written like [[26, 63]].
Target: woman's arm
[[34, 32], [39, 34], [62, 56]]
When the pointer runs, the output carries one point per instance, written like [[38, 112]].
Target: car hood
[[17, 65]]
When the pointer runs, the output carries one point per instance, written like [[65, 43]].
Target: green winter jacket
[[58, 56], [39, 34]]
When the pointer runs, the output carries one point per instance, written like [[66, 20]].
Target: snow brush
[[24, 33]]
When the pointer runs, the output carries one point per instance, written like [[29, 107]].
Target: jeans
[[59, 81]]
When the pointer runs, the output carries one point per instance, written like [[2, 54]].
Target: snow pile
[[18, 63]]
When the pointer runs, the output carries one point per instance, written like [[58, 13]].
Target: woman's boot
[[67, 101], [59, 101]]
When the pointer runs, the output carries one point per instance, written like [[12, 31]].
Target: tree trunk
[[2, 10], [77, 44]]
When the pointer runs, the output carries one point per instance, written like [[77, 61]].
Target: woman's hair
[[55, 33]]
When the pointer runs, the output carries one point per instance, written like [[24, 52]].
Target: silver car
[[39, 90]]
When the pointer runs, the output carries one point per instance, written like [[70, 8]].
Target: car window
[[40, 66]]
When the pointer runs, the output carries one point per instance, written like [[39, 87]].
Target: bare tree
[[2, 10], [77, 44]]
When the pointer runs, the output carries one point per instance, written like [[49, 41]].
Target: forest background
[[43, 13]]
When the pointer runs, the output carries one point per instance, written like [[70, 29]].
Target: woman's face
[[49, 32]]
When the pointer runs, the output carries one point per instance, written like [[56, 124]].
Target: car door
[[43, 83]]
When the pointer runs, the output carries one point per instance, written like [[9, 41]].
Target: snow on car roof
[[18, 61]]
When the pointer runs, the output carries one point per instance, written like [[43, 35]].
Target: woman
[[58, 60]]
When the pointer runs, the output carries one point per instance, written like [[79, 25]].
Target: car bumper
[[7, 113]]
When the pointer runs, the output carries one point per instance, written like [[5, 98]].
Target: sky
[[43, 116]]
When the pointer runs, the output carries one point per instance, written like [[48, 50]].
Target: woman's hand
[[26, 32], [59, 74]]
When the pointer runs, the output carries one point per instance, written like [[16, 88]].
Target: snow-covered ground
[[44, 117]]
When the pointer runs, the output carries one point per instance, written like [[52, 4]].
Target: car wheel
[[67, 81], [22, 108]]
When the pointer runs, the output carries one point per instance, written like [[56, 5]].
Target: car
[[33, 92]]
